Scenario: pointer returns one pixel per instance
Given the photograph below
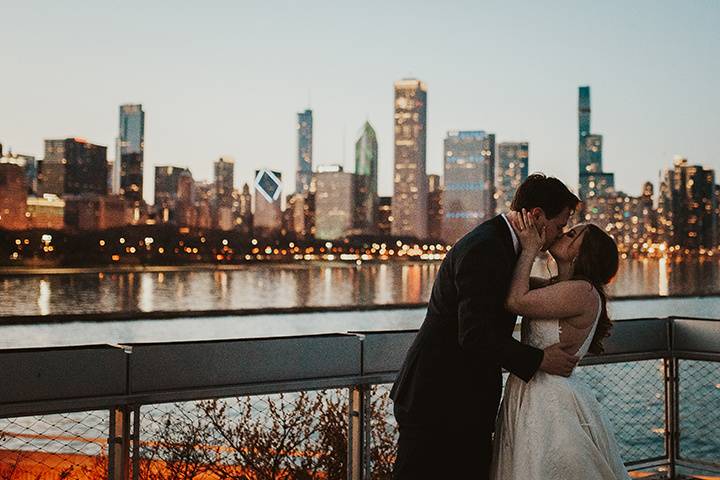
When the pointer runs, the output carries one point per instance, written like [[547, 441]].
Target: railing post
[[356, 432], [119, 443], [672, 414], [136, 443], [367, 438]]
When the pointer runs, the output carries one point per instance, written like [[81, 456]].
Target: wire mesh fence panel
[[699, 391], [300, 435], [383, 434], [59, 446], [632, 395]]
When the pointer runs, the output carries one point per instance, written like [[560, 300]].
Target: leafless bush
[[286, 436]]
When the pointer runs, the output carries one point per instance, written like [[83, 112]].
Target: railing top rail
[[163, 372]]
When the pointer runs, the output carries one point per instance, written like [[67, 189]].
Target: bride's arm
[[560, 300], [539, 282]]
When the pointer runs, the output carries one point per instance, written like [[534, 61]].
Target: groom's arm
[[479, 281]]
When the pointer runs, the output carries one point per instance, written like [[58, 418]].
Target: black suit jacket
[[451, 377]]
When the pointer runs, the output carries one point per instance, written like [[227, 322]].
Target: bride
[[552, 427]]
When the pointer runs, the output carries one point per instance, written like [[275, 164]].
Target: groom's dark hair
[[547, 193]]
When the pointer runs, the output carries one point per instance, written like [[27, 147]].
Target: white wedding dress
[[552, 427]]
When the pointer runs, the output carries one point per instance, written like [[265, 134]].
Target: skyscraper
[[73, 166], [224, 180], [128, 165], [583, 113], [224, 186], [692, 201], [305, 138], [167, 182], [592, 180], [469, 182], [366, 161], [202, 196], [334, 203], [267, 218], [409, 203], [243, 209], [511, 171], [435, 208]]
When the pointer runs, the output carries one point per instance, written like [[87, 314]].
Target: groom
[[447, 393]]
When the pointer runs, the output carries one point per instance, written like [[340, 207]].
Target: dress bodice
[[543, 333], [553, 426]]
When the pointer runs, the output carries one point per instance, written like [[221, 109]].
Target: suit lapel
[[505, 237]]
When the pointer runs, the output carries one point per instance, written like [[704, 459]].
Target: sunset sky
[[228, 77]]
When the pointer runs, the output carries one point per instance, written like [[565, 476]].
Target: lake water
[[297, 285]]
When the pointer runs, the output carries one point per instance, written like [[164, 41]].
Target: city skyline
[[650, 88]]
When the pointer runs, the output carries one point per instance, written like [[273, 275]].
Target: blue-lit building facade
[[128, 166], [469, 173]]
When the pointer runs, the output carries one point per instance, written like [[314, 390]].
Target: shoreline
[[27, 271], [139, 315]]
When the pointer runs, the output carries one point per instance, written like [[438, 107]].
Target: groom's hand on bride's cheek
[[556, 361]]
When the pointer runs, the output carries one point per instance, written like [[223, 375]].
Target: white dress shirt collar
[[515, 240]]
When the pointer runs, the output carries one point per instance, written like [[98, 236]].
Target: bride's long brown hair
[[597, 263]]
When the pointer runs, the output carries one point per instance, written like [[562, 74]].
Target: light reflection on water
[[296, 286], [290, 286], [251, 287]]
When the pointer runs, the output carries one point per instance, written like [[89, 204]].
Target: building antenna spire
[[344, 157]]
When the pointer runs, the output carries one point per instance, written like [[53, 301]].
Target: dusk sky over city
[[227, 78]]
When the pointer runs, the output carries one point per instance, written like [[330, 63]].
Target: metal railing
[[315, 406]]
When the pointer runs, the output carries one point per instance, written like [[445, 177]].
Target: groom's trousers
[[442, 453]]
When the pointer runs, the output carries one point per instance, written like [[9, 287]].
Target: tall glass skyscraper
[[409, 203], [366, 171], [583, 112], [305, 135], [592, 180], [583, 144], [511, 171], [469, 182], [128, 166]]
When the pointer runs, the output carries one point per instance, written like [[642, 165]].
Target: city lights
[[335, 215]]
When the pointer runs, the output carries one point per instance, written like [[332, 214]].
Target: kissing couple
[[447, 394]]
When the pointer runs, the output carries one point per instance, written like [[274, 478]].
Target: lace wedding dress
[[552, 427]]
